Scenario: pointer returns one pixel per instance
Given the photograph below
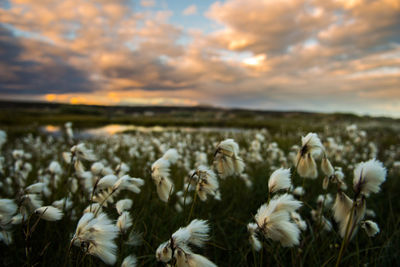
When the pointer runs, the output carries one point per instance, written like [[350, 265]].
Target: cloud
[[147, 3], [23, 75], [310, 55], [190, 10]]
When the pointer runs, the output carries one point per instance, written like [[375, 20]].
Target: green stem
[[194, 201], [186, 191], [94, 189], [104, 200]]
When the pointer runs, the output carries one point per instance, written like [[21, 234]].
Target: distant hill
[[41, 113]]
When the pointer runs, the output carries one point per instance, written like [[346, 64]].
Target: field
[[267, 141]]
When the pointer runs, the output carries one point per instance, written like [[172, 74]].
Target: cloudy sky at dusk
[[318, 55]]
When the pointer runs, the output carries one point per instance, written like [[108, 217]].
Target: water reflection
[[120, 128]]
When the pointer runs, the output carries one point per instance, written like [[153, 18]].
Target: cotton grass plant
[[85, 207]]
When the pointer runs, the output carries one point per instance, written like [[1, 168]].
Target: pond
[[113, 129]]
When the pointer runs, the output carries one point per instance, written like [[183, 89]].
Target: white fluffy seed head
[[279, 179], [207, 182], [164, 252], [129, 261], [171, 155], [298, 191], [81, 152], [55, 167], [8, 206], [49, 213], [35, 188], [368, 177], [129, 183], [227, 160], [196, 233], [341, 207], [160, 168], [285, 202], [94, 208], [327, 167], [313, 144], [274, 220], [199, 260], [107, 181], [124, 221], [96, 168], [123, 205], [63, 202], [165, 188], [254, 242], [370, 227], [306, 166], [33, 200], [229, 147], [99, 232]]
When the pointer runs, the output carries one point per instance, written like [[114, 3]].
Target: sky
[[311, 55]]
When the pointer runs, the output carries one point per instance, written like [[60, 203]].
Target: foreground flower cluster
[[94, 185]]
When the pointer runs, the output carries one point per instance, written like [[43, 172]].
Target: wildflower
[[188, 258], [279, 179], [160, 176], [33, 201], [160, 168], [49, 213], [196, 233], [55, 168], [107, 181], [94, 208], [68, 130], [64, 202], [123, 205], [298, 191], [171, 155], [164, 252], [17, 219], [129, 261], [255, 243], [122, 169], [311, 147], [326, 167], [97, 168], [124, 221], [129, 183], [81, 153], [298, 220], [35, 188], [7, 209], [370, 227], [206, 182], [96, 236], [346, 211], [368, 177], [227, 160], [341, 207], [273, 220]]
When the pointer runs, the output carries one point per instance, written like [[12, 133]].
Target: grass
[[155, 221]]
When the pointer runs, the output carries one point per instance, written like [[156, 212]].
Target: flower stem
[[194, 201]]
